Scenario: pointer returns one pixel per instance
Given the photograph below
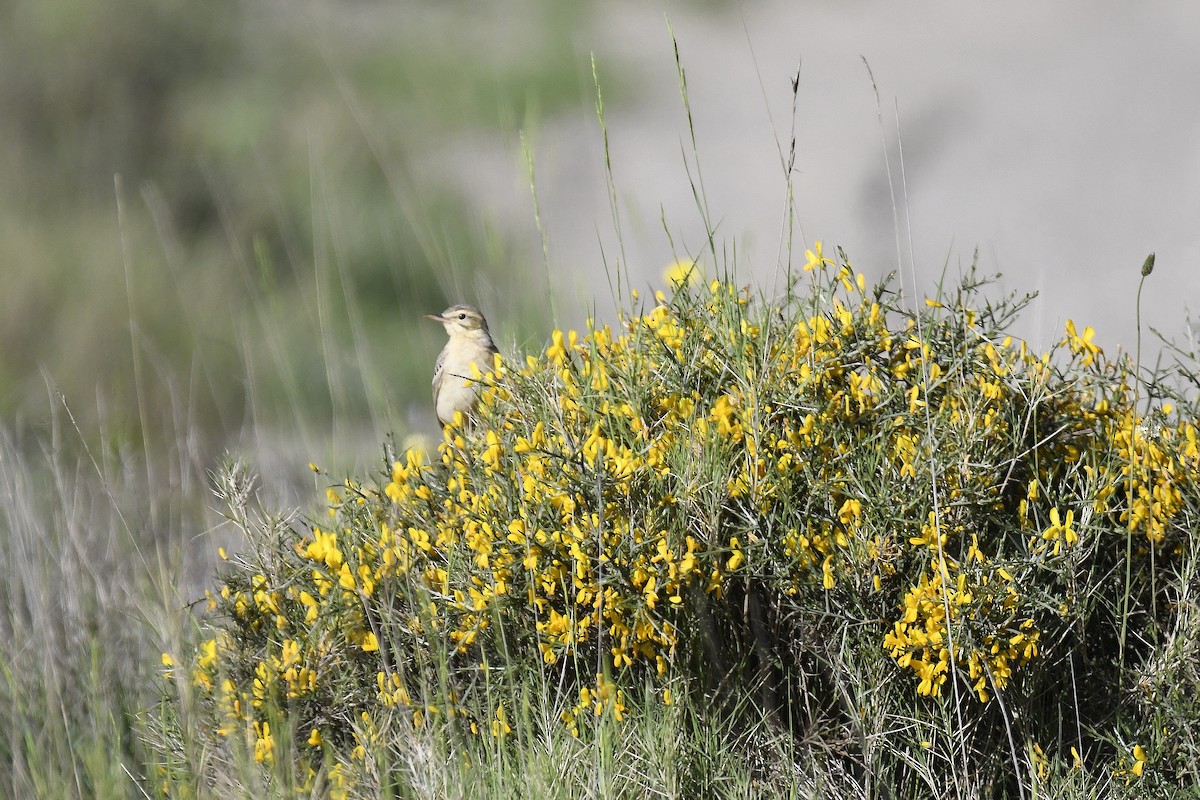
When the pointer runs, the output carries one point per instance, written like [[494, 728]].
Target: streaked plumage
[[470, 343]]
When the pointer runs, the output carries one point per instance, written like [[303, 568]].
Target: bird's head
[[460, 320]]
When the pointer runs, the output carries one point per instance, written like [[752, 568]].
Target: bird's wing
[[437, 374]]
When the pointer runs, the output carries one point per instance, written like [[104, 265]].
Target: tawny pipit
[[470, 343]]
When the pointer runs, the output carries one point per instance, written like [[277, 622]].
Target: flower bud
[[1148, 266]]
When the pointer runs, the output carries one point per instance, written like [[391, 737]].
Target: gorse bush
[[959, 566]]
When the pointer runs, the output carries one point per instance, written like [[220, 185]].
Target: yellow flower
[[1139, 760], [311, 607], [557, 351], [683, 272], [816, 259], [648, 591], [736, 558], [500, 726], [1060, 531], [724, 414], [264, 742], [346, 577], [1038, 756], [1082, 345], [208, 653], [827, 571]]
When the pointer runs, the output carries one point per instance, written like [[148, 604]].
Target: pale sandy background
[[1060, 139]]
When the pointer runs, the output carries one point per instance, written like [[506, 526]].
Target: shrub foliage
[[895, 531]]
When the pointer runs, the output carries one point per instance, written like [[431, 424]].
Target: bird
[[470, 343]]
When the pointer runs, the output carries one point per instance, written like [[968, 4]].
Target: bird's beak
[[436, 318]]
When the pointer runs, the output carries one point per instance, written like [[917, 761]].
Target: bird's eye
[[462, 316]]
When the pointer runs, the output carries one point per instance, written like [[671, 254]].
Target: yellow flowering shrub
[[721, 485]]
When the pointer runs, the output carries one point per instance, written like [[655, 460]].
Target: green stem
[[1147, 268]]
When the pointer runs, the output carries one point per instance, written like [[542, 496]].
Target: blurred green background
[[216, 228], [300, 183]]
